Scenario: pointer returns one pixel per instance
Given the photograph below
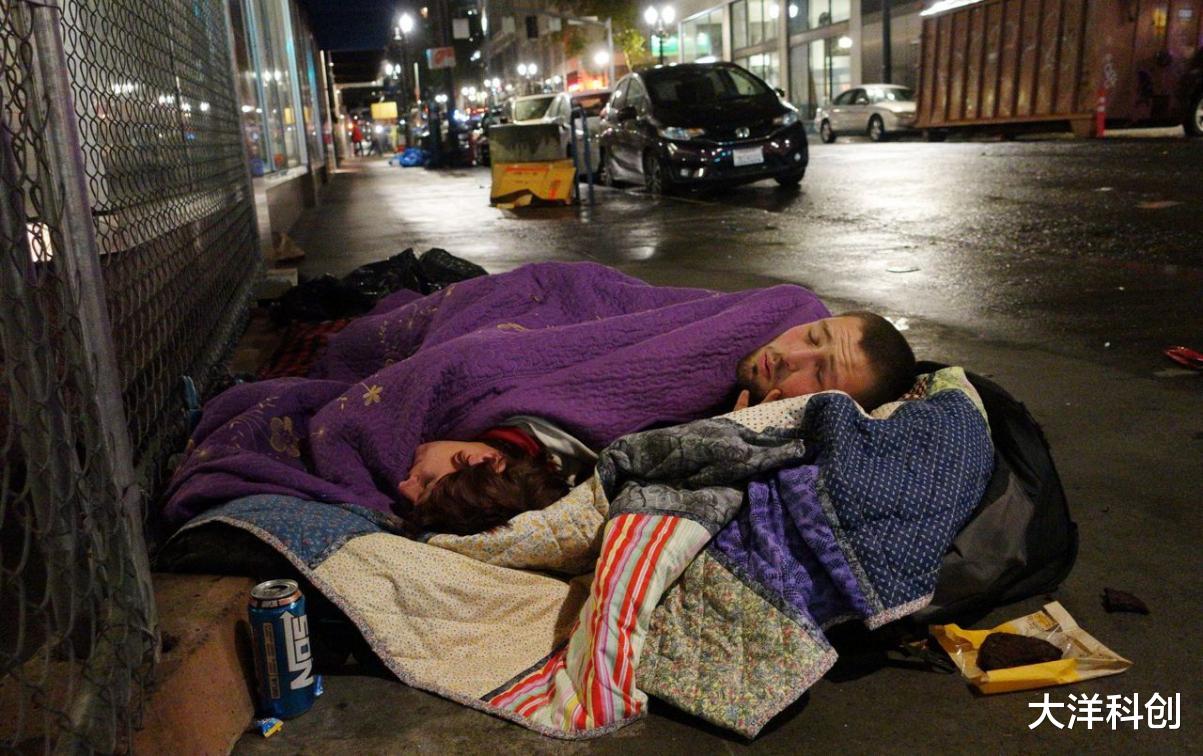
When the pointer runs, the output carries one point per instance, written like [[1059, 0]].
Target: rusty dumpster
[[1014, 65]]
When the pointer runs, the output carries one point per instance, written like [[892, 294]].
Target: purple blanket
[[597, 352]]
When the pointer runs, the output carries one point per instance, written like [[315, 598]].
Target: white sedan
[[557, 108], [873, 110]]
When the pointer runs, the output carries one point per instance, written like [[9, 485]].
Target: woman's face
[[435, 459]]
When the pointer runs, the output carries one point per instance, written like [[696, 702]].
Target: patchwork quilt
[[726, 546]]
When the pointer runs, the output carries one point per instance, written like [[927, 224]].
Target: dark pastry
[[1003, 650], [1122, 601]]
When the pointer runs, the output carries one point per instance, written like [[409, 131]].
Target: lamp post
[[527, 71], [601, 59], [405, 25], [660, 19]]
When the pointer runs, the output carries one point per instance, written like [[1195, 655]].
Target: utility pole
[[887, 52]]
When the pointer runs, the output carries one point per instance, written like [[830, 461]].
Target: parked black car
[[700, 124]]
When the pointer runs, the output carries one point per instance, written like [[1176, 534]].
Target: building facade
[[811, 49], [281, 85], [567, 55]]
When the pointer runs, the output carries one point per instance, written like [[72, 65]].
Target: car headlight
[[680, 134], [788, 118]]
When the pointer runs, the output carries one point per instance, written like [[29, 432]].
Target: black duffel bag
[[1020, 541]]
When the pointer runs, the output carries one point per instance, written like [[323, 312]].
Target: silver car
[[557, 108], [873, 110]]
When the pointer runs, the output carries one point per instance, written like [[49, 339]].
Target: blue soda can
[[283, 657]]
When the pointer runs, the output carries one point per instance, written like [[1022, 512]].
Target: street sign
[[383, 111], [440, 57], [459, 28]]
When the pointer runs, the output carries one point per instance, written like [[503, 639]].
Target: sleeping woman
[[466, 487]]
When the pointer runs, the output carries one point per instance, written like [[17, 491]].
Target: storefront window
[[270, 34], [813, 14], [739, 24], [829, 73], [827, 12], [307, 80], [799, 80], [754, 22], [248, 95], [702, 36], [764, 65]]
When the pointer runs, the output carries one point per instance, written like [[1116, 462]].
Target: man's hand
[[745, 399]]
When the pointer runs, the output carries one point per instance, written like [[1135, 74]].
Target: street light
[[601, 58], [527, 71], [660, 19], [405, 25]]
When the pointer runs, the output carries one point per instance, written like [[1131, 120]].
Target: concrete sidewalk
[[1128, 443]]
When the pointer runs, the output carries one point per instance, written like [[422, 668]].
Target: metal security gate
[[127, 252]]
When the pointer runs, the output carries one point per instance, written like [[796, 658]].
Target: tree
[[624, 14], [634, 46]]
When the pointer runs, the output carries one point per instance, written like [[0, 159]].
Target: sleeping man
[[584, 348]]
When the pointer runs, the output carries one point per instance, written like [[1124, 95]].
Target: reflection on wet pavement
[[1013, 240]]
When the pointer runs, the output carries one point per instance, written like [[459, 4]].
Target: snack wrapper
[[1083, 657]]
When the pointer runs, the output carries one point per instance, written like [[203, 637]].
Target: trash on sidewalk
[[1122, 601], [529, 167], [284, 674], [275, 282], [268, 726], [329, 298], [284, 249], [521, 184], [1082, 657], [1191, 358], [411, 157]]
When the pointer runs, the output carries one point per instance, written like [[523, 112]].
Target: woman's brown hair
[[476, 498]]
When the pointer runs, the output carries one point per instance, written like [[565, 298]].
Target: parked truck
[[1021, 65]]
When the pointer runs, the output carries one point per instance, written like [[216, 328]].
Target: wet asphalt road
[[1059, 268], [1089, 249]]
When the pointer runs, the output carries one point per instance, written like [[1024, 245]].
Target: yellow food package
[[1082, 657]]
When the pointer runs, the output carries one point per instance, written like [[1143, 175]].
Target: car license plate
[[752, 156]]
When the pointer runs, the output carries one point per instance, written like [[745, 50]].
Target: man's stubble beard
[[745, 376]]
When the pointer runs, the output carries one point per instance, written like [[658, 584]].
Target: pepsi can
[[287, 684]]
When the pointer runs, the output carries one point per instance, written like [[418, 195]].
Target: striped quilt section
[[589, 683]]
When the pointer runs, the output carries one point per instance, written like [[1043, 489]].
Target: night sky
[[352, 24]]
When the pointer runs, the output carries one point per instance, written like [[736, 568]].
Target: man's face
[[818, 356]]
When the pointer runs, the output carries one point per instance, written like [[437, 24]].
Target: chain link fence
[[127, 252]]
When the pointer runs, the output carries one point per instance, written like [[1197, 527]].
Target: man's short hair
[[890, 358]]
